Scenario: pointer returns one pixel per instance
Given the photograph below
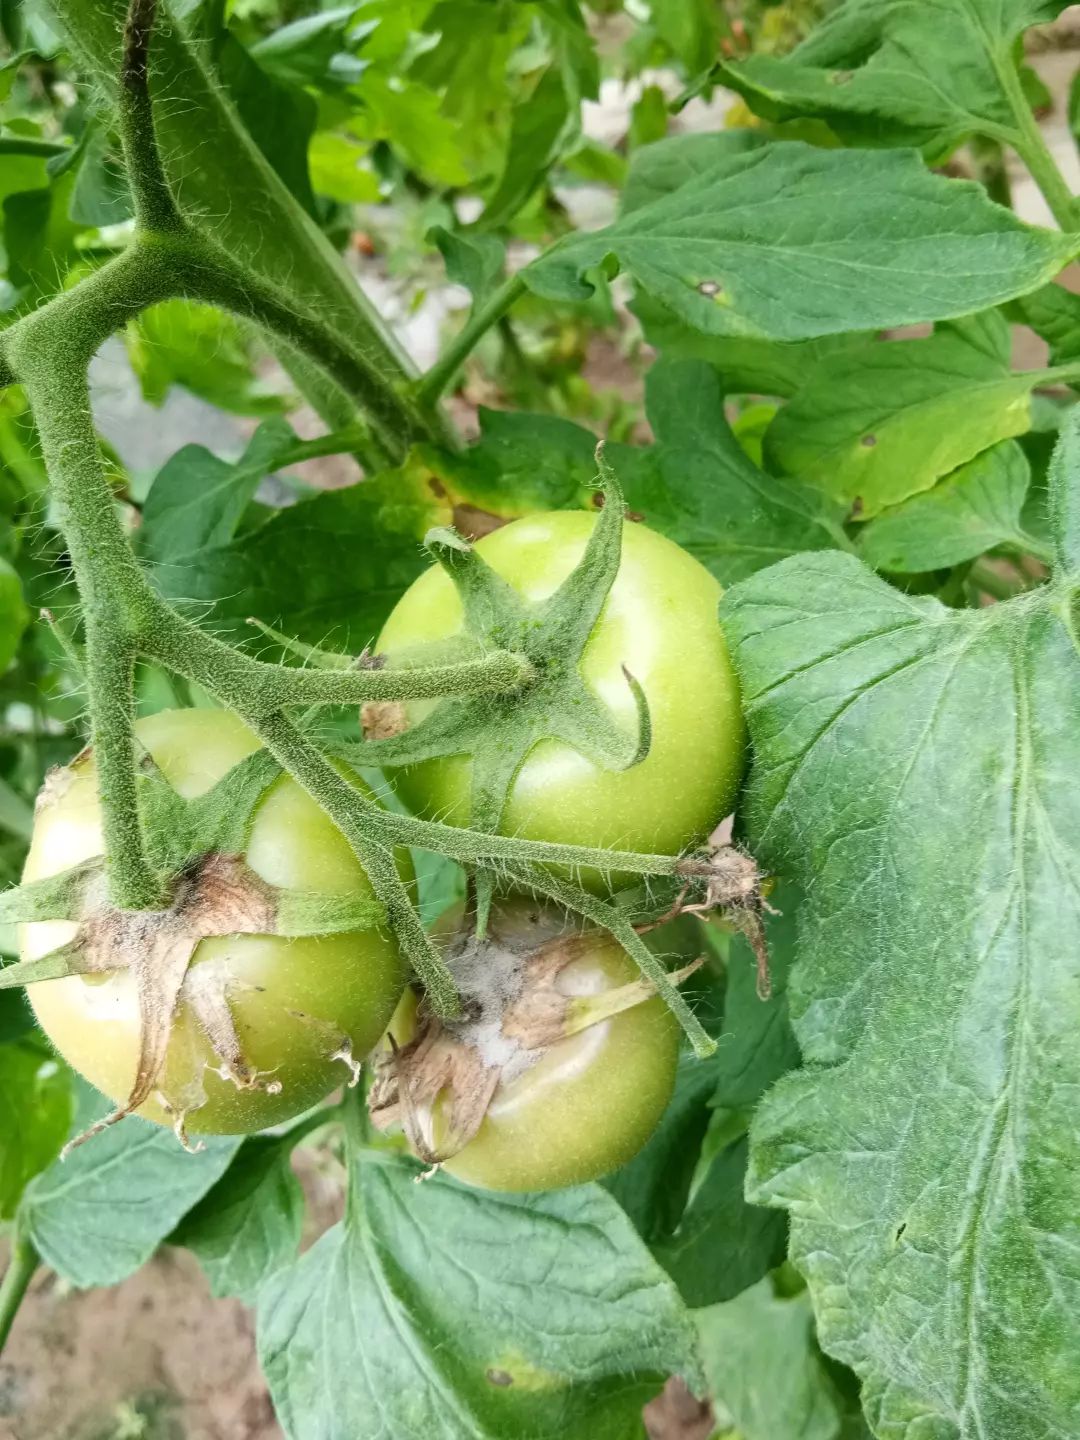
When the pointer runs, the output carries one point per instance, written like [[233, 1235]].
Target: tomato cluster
[[590, 1099]]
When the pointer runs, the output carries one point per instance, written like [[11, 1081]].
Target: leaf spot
[[869, 441], [502, 1378], [841, 77], [709, 288]]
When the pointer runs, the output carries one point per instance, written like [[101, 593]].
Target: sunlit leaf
[[787, 242]]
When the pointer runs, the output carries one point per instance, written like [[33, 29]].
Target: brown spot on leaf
[[502, 1378], [869, 441], [474, 523]]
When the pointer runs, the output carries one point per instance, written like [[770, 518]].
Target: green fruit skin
[[347, 985], [591, 1102], [660, 620]]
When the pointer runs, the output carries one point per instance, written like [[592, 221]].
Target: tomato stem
[[443, 372], [21, 1268], [1029, 144], [155, 208]]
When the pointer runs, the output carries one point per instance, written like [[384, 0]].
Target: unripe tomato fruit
[[591, 1102], [660, 621], [348, 985]]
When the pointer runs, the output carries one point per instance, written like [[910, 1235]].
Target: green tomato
[[660, 621], [591, 1102], [292, 1001]]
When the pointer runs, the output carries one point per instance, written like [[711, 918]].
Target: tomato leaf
[[14, 616], [882, 73], [35, 1112], [787, 242], [543, 128], [16, 1017], [975, 508], [653, 1188], [722, 1244], [197, 500], [521, 463], [314, 50], [100, 195], [745, 366], [659, 169], [698, 486], [1054, 313], [247, 1226], [765, 1370], [927, 1153], [472, 259], [205, 350], [756, 1047], [550, 1331], [912, 411], [329, 567], [98, 1215], [1063, 490], [280, 117]]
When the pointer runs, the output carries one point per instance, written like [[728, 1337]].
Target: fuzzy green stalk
[[310, 768], [474, 847], [442, 373], [1028, 142], [21, 1268], [155, 208], [213, 278], [112, 590], [254, 688]]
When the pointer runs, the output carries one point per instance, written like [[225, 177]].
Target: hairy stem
[[441, 374], [396, 419], [1030, 145], [112, 589], [110, 666], [348, 809], [155, 208], [254, 688], [22, 1265], [472, 847]]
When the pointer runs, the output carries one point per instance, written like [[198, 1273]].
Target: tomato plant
[[626, 458]]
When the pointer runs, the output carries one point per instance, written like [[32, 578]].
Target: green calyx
[[499, 731]]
